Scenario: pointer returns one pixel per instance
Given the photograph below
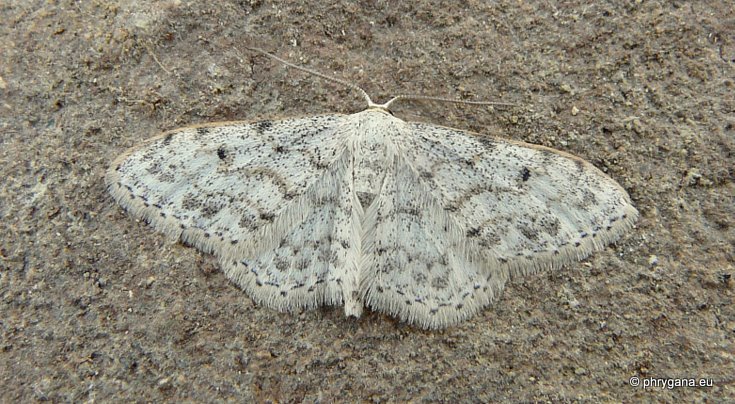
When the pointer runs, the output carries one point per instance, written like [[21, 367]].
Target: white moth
[[419, 221]]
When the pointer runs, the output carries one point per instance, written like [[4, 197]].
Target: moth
[[422, 222]]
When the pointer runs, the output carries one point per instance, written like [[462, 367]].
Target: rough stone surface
[[97, 307]]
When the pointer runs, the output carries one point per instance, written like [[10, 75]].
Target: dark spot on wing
[[263, 126], [221, 153], [488, 142], [473, 232], [427, 175], [525, 174], [451, 207]]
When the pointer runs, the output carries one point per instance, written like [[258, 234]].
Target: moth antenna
[[316, 73], [371, 104]]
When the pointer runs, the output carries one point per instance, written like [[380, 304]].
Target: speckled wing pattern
[[422, 222]]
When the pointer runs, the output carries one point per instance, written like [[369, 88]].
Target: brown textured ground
[[98, 307]]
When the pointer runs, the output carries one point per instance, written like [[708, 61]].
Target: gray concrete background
[[98, 307]]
